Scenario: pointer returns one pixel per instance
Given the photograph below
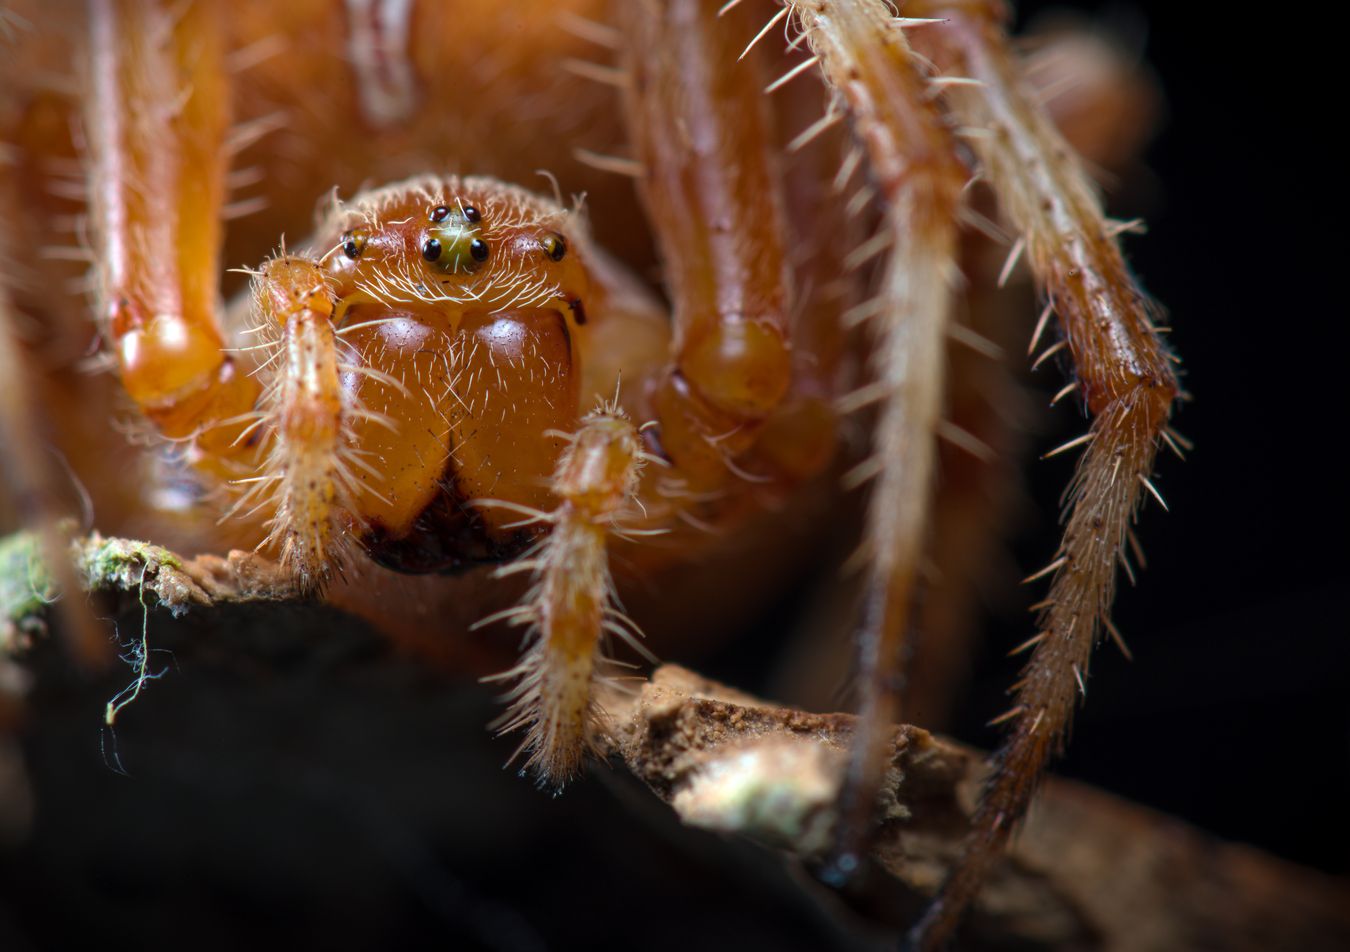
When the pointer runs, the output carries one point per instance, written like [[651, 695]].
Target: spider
[[453, 371]]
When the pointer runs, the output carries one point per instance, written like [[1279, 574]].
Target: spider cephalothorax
[[413, 367]]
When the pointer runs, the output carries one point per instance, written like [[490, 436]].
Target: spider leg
[[712, 188], [310, 420], [571, 608], [1124, 378], [1103, 100], [156, 118], [867, 59], [702, 134]]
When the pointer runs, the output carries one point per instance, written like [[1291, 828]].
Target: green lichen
[[27, 587], [120, 564]]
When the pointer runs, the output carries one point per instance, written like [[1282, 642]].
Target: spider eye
[[554, 246], [431, 249], [440, 213], [479, 249], [472, 215], [354, 242]]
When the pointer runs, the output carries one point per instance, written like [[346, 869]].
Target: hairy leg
[[1103, 100], [710, 179], [572, 607], [864, 55], [1124, 380]]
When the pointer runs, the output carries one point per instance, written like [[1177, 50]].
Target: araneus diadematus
[[410, 391]]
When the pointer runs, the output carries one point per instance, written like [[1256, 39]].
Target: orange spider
[[453, 371]]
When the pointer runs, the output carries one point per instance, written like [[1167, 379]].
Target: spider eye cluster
[[453, 241]]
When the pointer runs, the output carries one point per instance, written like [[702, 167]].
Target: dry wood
[[1088, 870]]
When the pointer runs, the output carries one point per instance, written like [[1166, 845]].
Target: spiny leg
[[711, 185], [1102, 99], [572, 607], [310, 414], [1125, 380], [865, 57], [712, 189]]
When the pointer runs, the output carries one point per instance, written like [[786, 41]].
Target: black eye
[[431, 249], [440, 213], [354, 242], [478, 248], [471, 215], [554, 246]]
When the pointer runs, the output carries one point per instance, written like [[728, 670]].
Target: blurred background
[[311, 790]]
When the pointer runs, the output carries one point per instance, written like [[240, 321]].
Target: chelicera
[[454, 371]]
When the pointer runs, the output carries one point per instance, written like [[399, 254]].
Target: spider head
[[457, 304]]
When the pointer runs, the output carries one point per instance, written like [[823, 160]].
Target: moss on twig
[[103, 564]]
